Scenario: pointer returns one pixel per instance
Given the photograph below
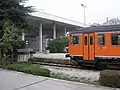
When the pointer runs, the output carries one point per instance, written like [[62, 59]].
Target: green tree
[[58, 45], [15, 11], [10, 40], [13, 15]]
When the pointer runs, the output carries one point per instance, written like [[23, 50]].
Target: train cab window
[[115, 39], [91, 40], [101, 39], [85, 38], [75, 39]]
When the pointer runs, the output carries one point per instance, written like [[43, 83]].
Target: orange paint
[[75, 50], [85, 50], [108, 49], [89, 50], [91, 46]]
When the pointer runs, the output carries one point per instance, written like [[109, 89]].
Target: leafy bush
[[110, 78], [10, 41], [58, 45], [31, 60], [29, 68], [4, 63]]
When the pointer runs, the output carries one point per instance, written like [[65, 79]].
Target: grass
[[27, 67]]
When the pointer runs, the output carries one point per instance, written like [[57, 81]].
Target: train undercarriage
[[98, 62]]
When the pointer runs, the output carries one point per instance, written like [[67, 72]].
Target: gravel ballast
[[82, 75]]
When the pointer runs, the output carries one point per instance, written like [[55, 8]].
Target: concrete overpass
[[48, 27]]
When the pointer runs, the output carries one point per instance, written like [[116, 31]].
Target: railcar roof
[[98, 29]]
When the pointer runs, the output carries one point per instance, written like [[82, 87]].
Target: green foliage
[[32, 60], [110, 78], [58, 45], [4, 63], [13, 15], [15, 11], [29, 68], [17, 67], [10, 41]]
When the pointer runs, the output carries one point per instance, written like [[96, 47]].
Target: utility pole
[[84, 14]]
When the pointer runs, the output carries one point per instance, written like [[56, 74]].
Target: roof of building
[[57, 18], [98, 29]]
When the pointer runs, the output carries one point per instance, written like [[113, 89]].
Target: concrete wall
[[48, 32], [33, 42], [60, 33], [33, 37]]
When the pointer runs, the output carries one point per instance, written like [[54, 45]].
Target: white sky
[[97, 10]]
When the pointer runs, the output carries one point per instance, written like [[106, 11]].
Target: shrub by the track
[[110, 78]]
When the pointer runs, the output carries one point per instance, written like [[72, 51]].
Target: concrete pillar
[[65, 30], [40, 37], [23, 36], [54, 30]]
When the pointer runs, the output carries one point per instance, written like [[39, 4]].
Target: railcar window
[[91, 40], [85, 38], [75, 39], [101, 39], [115, 39]]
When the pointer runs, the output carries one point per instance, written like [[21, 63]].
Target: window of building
[[91, 40], [115, 39], [101, 39], [75, 39], [85, 38]]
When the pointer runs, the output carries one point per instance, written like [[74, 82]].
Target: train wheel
[[73, 59], [99, 66]]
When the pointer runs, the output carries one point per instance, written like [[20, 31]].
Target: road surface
[[10, 80]]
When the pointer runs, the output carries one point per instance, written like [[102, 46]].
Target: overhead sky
[[96, 11]]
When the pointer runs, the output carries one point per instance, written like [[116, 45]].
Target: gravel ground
[[82, 75], [51, 55]]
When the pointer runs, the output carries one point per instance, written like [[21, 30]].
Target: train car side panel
[[101, 44], [104, 48], [114, 44], [75, 45]]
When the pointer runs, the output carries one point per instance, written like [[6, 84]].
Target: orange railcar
[[95, 45]]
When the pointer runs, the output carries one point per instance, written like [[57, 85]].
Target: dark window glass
[[75, 40], [91, 40], [85, 38], [101, 39], [115, 39]]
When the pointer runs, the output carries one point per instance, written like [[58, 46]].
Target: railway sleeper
[[97, 63]]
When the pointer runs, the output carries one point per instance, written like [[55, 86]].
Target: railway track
[[69, 64], [57, 65], [66, 66], [77, 67], [56, 62]]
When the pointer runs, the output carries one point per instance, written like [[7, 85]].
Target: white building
[[48, 27], [113, 21]]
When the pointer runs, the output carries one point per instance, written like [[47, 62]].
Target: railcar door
[[89, 46], [85, 52]]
